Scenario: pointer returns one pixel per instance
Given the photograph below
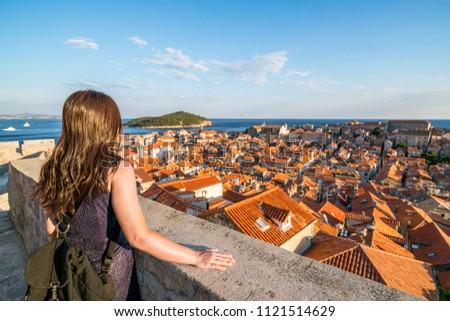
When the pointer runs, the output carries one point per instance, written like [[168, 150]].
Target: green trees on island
[[177, 119]]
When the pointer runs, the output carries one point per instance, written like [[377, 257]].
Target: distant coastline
[[51, 128], [30, 116]]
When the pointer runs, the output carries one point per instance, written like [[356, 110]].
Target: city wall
[[14, 150]]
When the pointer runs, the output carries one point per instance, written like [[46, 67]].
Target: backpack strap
[[112, 244]]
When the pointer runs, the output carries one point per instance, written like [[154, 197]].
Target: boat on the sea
[[9, 129], [26, 124]]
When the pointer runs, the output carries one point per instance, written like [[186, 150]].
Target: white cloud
[[138, 41], [390, 89], [84, 43], [255, 70], [310, 84], [176, 64], [174, 73], [83, 84], [124, 84], [304, 73], [360, 87], [176, 59], [131, 84]]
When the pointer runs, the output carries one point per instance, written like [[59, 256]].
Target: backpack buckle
[[62, 229], [54, 286], [106, 267]]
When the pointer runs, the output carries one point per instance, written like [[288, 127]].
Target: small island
[[178, 119]]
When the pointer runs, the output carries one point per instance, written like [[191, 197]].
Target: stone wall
[[26, 214], [8, 151], [262, 271], [12, 150], [30, 147]]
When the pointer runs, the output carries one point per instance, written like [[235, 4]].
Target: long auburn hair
[[81, 162]]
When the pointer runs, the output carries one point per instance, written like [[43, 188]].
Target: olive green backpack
[[61, 271]]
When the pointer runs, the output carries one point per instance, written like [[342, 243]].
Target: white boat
[[26, 124], [9, 129]]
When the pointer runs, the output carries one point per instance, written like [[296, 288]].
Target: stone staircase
[[12, 255]]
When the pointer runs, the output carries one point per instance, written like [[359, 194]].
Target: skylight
[[261, 224]]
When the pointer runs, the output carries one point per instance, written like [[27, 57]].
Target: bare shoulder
[[124, 172]]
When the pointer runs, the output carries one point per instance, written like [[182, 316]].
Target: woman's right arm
[[131, 219]]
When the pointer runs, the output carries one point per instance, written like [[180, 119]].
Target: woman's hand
[[213, 259]]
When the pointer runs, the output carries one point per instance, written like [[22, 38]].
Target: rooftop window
[[261, 224]]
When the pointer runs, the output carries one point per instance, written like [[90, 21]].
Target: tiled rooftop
[[405, 274], [438, 250], [193, 184], [245, 213]]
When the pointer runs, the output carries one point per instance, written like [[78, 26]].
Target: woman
[[88, 181]]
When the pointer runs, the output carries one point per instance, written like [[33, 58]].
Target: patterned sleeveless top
[[90, 229]]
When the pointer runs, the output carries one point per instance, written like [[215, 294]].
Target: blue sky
[[230, 59]]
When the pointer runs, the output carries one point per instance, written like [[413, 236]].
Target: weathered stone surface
[[12, 150], [30, 147], [8, 152], [12, 265], [4, 204], [26, 214]]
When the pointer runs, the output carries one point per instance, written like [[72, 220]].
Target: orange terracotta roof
[[333, 210], [142, 174], [438, 250], [218, 202], [245, 213], [232, 196], [408, 275], [358, 217], [411, 216], [382, 227], [319, 225], [240, 177], [379, 241], [193, 184], [325, 247], [324, 227], [439, 220], [280, 177], [405, 274], [260, 169]]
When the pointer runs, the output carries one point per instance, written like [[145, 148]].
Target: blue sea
[[51, 128]]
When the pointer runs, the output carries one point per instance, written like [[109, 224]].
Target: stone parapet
[[26, 214]]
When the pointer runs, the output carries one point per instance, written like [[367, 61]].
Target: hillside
[[174, 120]]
